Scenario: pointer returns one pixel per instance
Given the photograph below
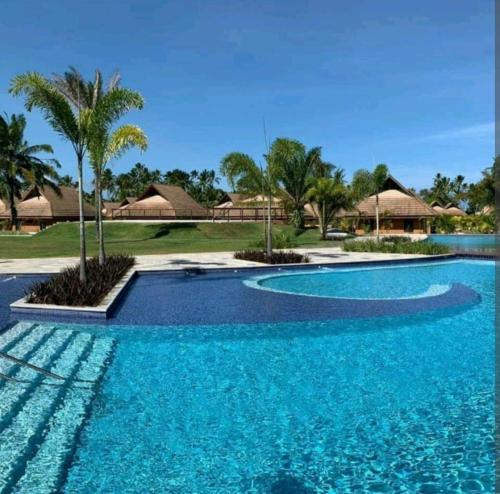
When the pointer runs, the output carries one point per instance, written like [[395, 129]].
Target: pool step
[[45, 472], [40, 417]]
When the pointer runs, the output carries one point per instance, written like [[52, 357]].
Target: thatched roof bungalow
[[162, 201], [400, 211], [450, 209], [43, 206], [110, 206]]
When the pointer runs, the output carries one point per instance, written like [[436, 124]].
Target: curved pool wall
[[223, 297]]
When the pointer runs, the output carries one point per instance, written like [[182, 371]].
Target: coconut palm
[[329, 196], [19, 165], [246, 177], [365, 183], [68, 119], [379, 177], [295, 166], [108, 104], [105, 146]]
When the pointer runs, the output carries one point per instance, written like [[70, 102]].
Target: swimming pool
[[466, 243], [394, 403]]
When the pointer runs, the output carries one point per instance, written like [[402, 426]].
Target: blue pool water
[[463, 243], [388, 282], [384, 404]]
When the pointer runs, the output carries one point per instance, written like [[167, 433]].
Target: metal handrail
[[30, 366]]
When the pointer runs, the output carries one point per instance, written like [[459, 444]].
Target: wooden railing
[[216, 214]]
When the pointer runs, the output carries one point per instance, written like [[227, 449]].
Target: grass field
[[143, 238]]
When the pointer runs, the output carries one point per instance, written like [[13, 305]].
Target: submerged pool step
[[45, 472], [19, 441], [25, 348], [13, 394], [12, 335]]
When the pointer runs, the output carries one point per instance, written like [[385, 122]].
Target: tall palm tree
[[104, 146], [246, 177], [68, 119], [19, 165], [108, 103], [379, 177], [294, 167], [329, 196], [365, 183]]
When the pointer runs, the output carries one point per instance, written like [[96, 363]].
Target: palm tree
[[294, 167], [246, 177], [66, 181], [379, 177], [329, 196], [108, 183], [104, 147], [107, 106], [68, 119], [365, 183], [19, 165]]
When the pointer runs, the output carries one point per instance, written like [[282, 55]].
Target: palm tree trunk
[[323, 225], [12, 206], [102, 254], [96, 202], [269, 243], [377, 217], [83, 253]]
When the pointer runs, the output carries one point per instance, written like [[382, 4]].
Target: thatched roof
[[108, 206], [3, 205], [159, 196], [450, 209], [46, 203], [396, 201]]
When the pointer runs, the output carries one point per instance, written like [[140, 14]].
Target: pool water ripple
[[396, 404]]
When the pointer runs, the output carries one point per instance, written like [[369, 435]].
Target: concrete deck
[[208, 260]]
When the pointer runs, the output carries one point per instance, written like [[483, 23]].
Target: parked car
[[337, 234]]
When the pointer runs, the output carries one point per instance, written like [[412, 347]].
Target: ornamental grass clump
[[66, 288], [419, 247], [277, 257]]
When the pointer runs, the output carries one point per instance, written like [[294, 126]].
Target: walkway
[[207, 260]]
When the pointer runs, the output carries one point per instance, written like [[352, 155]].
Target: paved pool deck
[[208, 260]]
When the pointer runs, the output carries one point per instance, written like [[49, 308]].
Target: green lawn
[[142, 238]]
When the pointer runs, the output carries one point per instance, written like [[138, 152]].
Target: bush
[[420, 247], [65, 288], [395, 239], [280, 241], [277, 257]]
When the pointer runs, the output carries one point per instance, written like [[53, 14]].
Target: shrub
[[395, 239], [277, 257], [65, 288], [420, 247], [280, 241]]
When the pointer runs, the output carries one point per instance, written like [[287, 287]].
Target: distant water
[[468, 243]]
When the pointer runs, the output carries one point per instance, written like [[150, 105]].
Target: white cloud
[[483, 130]]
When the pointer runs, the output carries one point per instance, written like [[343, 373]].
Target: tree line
[[86, 113]]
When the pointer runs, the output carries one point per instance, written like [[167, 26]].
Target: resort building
[[43, 206], [110, 206], [3, 205], [160, 201], [400, 211], [240, 207], [450, 209]]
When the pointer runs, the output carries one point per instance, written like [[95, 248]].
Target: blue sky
[[405, 83]]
